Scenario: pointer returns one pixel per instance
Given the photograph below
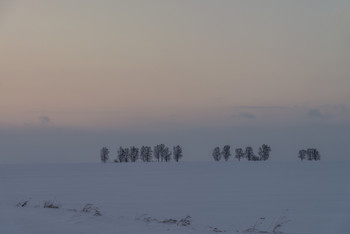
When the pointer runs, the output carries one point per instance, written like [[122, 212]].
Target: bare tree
[[121, 155], [313, 154], [239, 153], [166, 154], [216, 154], [177, 153], [127, 155], [309, 153], [146, 153], [264, 152], [316, 155], [133, 153], [249, 154], [157, 152], [226, 153], [104, 154], [302, 154]]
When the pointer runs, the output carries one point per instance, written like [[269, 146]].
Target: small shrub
[[169, 221], [146, 218], [88, 208], [215, 229], [254, 228], [182, 222], [185, 221], [280, 222], [51, 204], [22, 204]]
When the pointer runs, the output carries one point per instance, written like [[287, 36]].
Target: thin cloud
[[342, 108], [261, 107], [247, 115], [317, 114], [44, 119]]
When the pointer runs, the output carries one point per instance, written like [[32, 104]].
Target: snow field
[[306, 197]]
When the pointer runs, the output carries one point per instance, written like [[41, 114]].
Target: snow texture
[[186, 197]]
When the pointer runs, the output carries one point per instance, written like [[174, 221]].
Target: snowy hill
[[185, 197]]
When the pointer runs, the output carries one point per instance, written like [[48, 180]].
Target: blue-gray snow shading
[[304, 197]]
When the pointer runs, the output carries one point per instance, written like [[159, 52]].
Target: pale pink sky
[[91, 62], [121, 64]]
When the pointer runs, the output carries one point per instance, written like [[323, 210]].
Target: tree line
[[160, 153], [309, 154], [248, 153]]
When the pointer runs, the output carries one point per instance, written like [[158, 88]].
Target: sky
[[79, 75]]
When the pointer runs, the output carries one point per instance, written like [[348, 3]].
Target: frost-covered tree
[[216, 154], [166, 154], [162, 153], [146, 153], [127, 155], [249, 154], [177, 153], [121, 155], [157, 152], [104, 154], [313, 154], [142, 153], [302, 154], [239, 153], [317, 155], [264, 152], [133, 153], [255, 158], [226, 153], [309, 154]]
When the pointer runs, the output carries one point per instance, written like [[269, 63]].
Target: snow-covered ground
[[235, 197]]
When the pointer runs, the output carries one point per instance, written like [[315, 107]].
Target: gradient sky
[[77, 75]]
